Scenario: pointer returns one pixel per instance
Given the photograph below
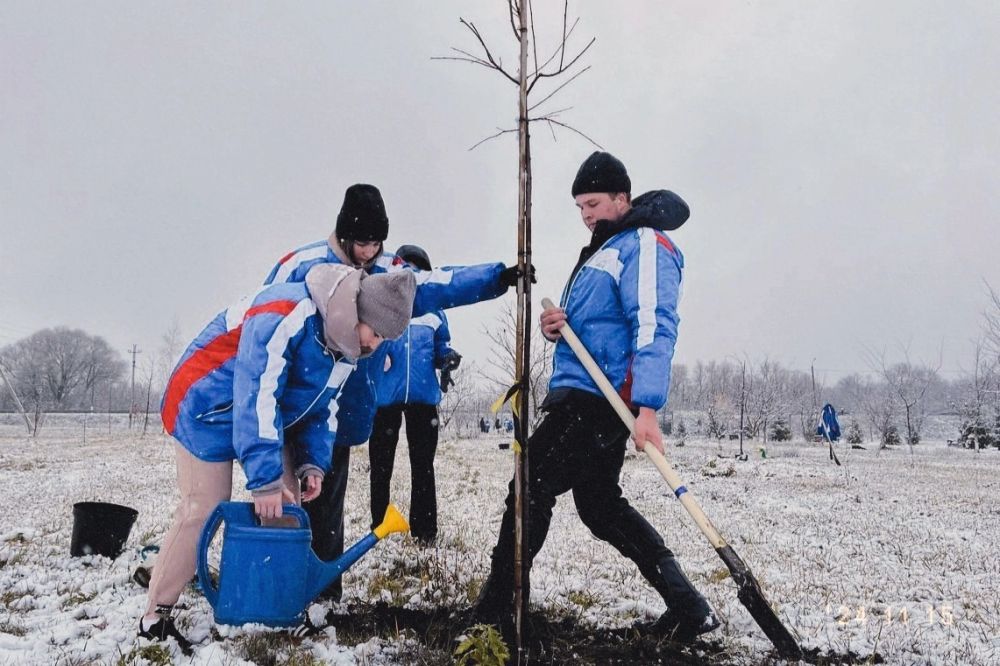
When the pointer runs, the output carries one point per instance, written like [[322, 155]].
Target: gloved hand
[[451, 360], [510, 275]]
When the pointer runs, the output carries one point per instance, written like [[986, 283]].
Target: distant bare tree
[[978, 403], [801, 404], [54, 367], [148, 374], [459, 397], [908, 384], [170, 349], [103, 365], [766, 393], [875, 402], [992, 324], [721, 412]]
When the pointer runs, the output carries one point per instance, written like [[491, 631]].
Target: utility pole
[[131, 402]]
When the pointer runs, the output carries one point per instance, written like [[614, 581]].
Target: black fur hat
[[601, 172], [416, 255], [362, 217]]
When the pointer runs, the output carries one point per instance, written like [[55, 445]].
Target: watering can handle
[[207, 534]]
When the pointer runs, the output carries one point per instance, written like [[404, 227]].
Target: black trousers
[[579, 447], [326, 514], [422, 439]]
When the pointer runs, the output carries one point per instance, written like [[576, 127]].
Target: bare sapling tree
[[148, 375], [533, 68], [503, 354], [458, 399]]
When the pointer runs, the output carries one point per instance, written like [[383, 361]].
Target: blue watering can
[[270, 574]]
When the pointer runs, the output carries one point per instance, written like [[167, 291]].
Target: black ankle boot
[[495, 603], [688, 614], [163, 629]]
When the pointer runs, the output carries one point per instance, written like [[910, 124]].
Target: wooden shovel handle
[[666, 471]]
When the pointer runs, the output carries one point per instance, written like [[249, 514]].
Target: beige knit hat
[[334, 289]]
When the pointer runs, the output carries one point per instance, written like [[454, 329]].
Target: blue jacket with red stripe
[[267, 351], [437, 289], [412, 359], [622, 303]]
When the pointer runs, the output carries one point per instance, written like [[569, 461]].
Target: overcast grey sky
[[840, 159]]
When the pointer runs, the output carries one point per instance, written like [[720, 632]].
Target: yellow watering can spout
[[393, 522]]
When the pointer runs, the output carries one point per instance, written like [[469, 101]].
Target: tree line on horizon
[[68, 370]]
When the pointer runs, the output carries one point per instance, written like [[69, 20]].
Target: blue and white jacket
[[437, 289], [412, 360], [268, 351], [622, 303]]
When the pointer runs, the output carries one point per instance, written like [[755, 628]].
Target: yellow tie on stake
[[511, 395]]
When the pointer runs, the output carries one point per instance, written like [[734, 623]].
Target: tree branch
[[547, 97], [497, 65], [549, 119], [494, 136], [562, 68]]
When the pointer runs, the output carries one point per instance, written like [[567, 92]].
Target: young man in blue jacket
[[621, 299], [410, 387], [260, 384], [357, 240]]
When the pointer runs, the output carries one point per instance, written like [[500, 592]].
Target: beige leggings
[[202, 486]]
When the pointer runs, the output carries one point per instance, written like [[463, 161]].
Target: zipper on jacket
[[569, 289], [406, 394]]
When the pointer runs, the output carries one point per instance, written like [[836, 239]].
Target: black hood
[[659, 209]]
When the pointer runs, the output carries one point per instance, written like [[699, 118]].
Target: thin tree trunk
[[145, 420], [522, 556]]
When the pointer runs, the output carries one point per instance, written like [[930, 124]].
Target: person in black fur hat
[[624, 308]]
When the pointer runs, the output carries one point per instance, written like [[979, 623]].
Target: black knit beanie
[[601, 172], [362, 217]]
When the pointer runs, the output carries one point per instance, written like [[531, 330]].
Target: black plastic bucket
[[100, 528]]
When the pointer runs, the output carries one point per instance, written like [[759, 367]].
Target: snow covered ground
[[893, 552]]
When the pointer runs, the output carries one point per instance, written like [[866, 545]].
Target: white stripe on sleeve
[[267, 401], [430, 319], [296, 260], [646, 288]]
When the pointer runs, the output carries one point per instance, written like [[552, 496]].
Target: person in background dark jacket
[[410, 387]]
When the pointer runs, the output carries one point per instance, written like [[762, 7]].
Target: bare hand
[[313, 485], [551, 321], [269, 506], [647, 430]]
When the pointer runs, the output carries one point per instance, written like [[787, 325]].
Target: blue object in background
[[828, 426]]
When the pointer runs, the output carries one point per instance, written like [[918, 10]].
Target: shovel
[[749, 591]]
